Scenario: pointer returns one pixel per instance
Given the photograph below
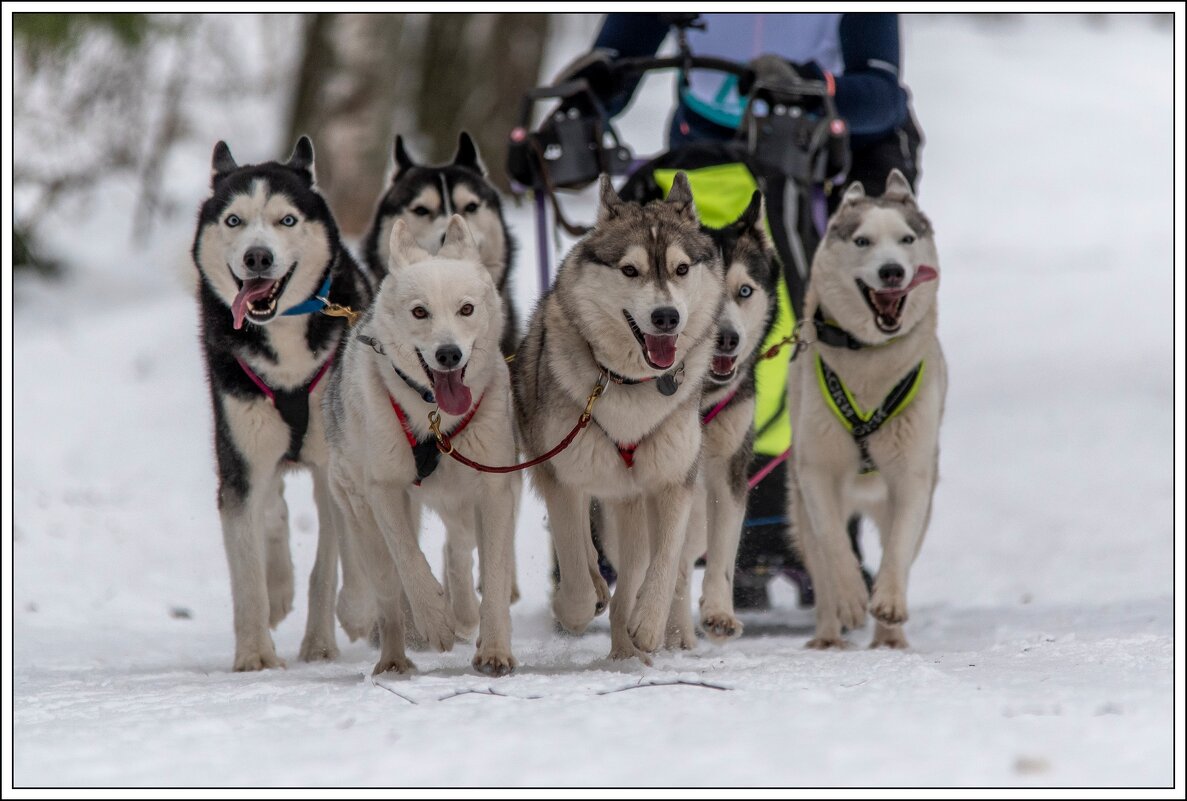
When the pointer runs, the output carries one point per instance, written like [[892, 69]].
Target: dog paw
[[679, 638], [316, 649], [888, 606], [852, 598], [646, 630], [257, 660], [721, 626], [889, 637], [356, 616], [397, 664], [827, 643], [623, 651], [435, 624], [280, 599], [494, 662], [602, 590], [574, 610]]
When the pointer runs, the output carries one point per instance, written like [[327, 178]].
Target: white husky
[[430, 343], [866, 398]]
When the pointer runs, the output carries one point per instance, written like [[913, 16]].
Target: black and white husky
[[425, 197], [269, 257], [727, 423]]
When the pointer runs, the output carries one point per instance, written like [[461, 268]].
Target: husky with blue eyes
[[271, 264]]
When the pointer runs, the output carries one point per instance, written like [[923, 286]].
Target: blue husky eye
[[862, 242], [232, 221], [745, 291], [288, 220]]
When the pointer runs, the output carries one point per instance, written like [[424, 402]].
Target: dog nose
[[449, 356], [727, 340], [891, 273], [257, 259], [665, 318]]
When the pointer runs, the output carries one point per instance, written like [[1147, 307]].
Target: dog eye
[[682, 269], [232, 221], [908, 239], [288, 221], [420, 312], [745, 291], [421, 211], [629, 271], [862, 242], [470, 208], [467, 310]]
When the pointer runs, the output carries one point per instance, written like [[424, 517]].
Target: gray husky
[[269, 257], [428, 346], [425, 197], [866, 398], [727, 418], [634, 310]]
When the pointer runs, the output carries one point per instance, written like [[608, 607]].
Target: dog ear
[[753, 220], [458, 242], [681, 197], [221, 162], [854, 193], [403, 248], [610, 201], [467, 154], [302, 157], [898, 187], [403, 160]]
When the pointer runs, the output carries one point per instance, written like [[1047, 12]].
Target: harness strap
[[863, 424], [292, 404], [425, 452], [707, 417]]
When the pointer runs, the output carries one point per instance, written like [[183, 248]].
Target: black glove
[[772, 70], [595, 67]]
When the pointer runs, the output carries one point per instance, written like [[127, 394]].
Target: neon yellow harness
[[860, 423]]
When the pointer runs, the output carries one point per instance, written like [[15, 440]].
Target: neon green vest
[[722, 192]]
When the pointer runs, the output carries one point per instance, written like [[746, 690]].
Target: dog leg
[[726, 511], [576, 600], [902, 535], [828, 622], [848, 595], [628, 521], [356, 600], [244, 541], [681, 631], [393, 512], [495, 522], [279, 560], [458, 578], [318, 643], [667, 514]]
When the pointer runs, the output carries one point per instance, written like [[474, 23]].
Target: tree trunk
[[346, 100], [437, 74]]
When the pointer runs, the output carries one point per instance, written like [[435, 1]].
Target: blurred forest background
[[119, 98], [101, 96]]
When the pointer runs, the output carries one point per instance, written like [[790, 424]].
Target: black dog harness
[[424, 451], [862, 424], [293, 404]]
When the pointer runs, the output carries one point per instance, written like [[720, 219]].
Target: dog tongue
[[661, 349], [253, 288], [885, 299], [723, 364], [452, 395]]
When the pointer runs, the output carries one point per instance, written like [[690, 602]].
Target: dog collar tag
[[668, 383]]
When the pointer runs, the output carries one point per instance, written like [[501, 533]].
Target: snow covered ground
[[1042, 603]]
